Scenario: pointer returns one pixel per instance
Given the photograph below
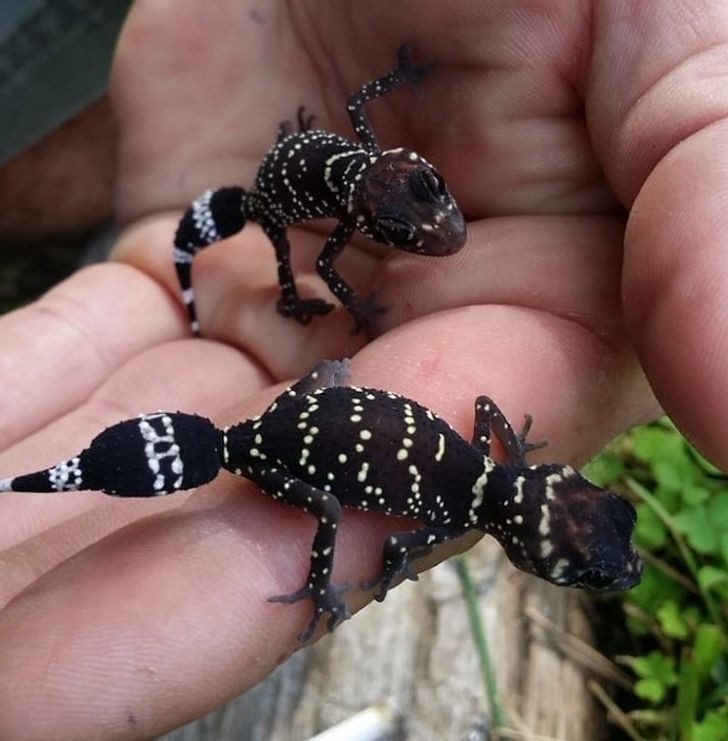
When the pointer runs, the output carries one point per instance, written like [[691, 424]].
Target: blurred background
[[57, 139]]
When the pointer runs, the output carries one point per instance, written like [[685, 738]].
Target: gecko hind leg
[[305, 123], [489, 419], [326, 596], [400, 550]]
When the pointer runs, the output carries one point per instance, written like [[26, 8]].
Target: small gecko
[[322, 445], [393, 196]]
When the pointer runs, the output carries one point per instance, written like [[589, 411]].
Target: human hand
[[170, 594]]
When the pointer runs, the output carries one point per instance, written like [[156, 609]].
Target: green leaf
[[604, 469], [669, 475], [707, 648], [710, 577], [651, 444], [714, 727], [656, 665], [650, 532], [654, 589], [697, 527], [718, 511], [650, 689], [671, 620], [724, 547], [669, 498], [693, 494]]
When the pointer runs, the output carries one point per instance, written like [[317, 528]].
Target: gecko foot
[[383, 582], [303, 310], [521, 438], [365, 312], [408, 68], [328, 598], [286, 128], [330, 373], [304, 122]]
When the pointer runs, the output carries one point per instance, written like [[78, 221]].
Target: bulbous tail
[[146, 456], [215, 215]]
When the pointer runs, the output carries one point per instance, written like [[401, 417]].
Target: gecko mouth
[[611, 577]]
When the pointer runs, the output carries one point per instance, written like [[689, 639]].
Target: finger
[[675, 278], [660, 128], [179, 600], [569, 266], [505, 90], [237, 291], [41, 531], [168, 158], [58, 349], [193, 375]]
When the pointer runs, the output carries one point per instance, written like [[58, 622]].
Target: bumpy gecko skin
[[394, 197], [322, 445]]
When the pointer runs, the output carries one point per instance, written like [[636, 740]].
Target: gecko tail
[[149, 455], [215, 215]]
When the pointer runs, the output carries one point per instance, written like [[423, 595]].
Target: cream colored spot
[[440, 447]]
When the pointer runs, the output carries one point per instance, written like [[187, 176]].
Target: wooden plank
[[415, 651]]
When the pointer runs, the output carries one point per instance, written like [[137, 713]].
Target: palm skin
[[550, 122]]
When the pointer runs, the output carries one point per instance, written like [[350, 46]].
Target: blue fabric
[[55, 57]]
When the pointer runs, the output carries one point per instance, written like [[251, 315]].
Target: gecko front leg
[[400, 550], [407, 72], [365, 310], [489, 419]]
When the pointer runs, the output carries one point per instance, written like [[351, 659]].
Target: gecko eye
[[427, 185], [395, 230]]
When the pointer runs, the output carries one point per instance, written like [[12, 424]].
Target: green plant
[[677, 618]]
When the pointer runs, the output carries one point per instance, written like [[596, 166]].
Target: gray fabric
[[55, 57]]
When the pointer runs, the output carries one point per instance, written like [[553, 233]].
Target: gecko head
[[402, 200], [564, 529]]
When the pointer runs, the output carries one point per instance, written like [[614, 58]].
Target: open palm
[[547, 121]]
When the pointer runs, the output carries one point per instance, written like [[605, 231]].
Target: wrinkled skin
[[547, 121]]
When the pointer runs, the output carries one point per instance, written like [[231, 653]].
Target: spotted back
[[372, 449], [305, 176]]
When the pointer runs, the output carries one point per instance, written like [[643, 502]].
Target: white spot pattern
[[162, 451], [66, 475]]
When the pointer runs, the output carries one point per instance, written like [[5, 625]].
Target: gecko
[[323, 445], [392, 196]]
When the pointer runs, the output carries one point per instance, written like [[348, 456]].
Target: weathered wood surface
[[416, 651]]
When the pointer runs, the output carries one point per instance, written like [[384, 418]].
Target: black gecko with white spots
[[394, 197], [322, 445]]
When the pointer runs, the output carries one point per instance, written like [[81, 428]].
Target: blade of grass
[[481, 643], [614, 712]]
